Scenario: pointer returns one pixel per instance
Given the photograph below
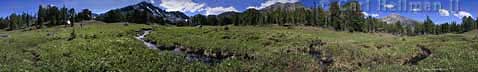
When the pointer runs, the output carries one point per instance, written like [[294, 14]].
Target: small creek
[[191, 56], [424, 53], [141, 37]]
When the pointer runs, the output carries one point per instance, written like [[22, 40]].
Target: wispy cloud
[[389, 6], [181, 5], [372, 14], [271, 2], [219, 10], [444, 12], [462, 14], [151, 1]]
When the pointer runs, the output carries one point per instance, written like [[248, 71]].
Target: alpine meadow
[[242, 36]]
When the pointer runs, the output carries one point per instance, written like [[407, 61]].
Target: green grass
[[112, 47]]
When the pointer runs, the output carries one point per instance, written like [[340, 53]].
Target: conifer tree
[[428, 26], [334, 17]]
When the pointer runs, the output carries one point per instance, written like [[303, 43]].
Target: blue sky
[[439, 10]]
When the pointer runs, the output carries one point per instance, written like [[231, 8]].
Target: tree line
[[47, 16], [348, 17], [134, 16]]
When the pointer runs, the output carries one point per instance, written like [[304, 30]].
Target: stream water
[[424, 53], [141, 37], [190, 56]]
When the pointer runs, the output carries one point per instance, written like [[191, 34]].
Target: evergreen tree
[[467, 24], [112, 16], [354, 17], [476, 23], [53, 16], [321, 18], [85, 14], [41, 16], [428, 26], [199, 20], [211, 20], [71, 17], [13, 21], [454, 27], [63, 16], [334, 17], [2, 23]]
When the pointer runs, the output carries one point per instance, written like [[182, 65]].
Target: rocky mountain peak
[[394, 18]]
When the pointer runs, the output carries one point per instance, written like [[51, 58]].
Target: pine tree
[[13, 21], [334, 17], [63, 16], [211, 20], [85, 14], [71, 17], [2, 23], [354, 16], [455, 27], [445, 28], [476, 23], [53, 16], [398, 28], [113, 16], [467, 24], [199, 20], [428, 26], [40, 17], [322, 16]]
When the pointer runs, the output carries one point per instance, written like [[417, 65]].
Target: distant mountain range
[[176, 16], [284, 7], [394, 18], [275, 7], [172, 17]]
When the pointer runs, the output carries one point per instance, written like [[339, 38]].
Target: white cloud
[[181, 5], [373, 14], [444, 12], [271, 2], [365, 13], [416, 9], [389, 6], [219, 10], [462, 14], [252, 7], [151, 1]]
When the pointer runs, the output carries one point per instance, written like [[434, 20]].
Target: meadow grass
[[112, 47]]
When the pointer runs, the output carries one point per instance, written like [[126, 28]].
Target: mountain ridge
[[394, 18], [171, 17]]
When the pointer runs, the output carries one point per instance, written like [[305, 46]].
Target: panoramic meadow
[[238, 36]]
